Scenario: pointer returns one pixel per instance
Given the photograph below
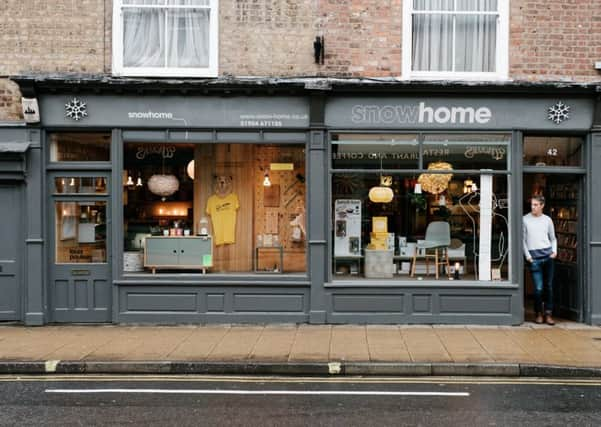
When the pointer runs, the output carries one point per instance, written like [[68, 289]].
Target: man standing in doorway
[[540, 249]]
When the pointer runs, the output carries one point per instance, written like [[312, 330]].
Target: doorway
[[79, 236], [564, 204], [11, 230]]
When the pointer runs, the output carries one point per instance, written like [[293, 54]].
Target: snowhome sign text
[[421, 113], [454, 113]]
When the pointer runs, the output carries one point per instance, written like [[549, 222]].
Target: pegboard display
[[274, 217]]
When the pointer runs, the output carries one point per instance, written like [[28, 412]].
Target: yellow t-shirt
[[223, 216]]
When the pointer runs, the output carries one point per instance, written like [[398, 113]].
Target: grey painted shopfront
[[326, 136]]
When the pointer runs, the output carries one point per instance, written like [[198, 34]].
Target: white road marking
[[255, 392]]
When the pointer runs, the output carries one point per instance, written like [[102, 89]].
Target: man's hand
[[529, 259], [554, 255]]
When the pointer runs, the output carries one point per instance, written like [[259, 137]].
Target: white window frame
[[120, 70], [502, 48]]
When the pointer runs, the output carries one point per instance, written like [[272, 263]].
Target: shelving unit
[[565, 217]]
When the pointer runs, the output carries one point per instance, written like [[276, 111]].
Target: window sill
[[166, 72], [458, 77], [392, 283]]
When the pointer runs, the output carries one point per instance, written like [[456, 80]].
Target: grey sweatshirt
[[539, 236]]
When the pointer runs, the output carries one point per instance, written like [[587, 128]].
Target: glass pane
[[552, 151], [468, 151], [433, 4], [476, 5], [230, 207], [143, 37], [475, 43], [381, 234], [80, 232], [432, 43], [80, 185], [189, 2], [188, 38], [144, 2], [350, 151], [80, 147]]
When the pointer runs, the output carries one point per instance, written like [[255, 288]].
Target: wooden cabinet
[[187, 252]]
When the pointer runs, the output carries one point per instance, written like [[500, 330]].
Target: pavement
[[565, 350]]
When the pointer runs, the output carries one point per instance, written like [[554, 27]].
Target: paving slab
[[349, 343], [200, 343], [274, 345], [311, 343], [462, 346], [424, 345], [500, 346], [386, 344], [237, 344]]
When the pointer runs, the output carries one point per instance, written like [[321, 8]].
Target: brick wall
[[10, 101], [549, 40], [51, 36], [362, 38], [553, 40], [267, 37]]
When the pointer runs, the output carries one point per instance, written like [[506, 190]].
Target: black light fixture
[[319, 49]]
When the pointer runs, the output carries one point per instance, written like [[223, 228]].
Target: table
[[349, 258], [280, 268]]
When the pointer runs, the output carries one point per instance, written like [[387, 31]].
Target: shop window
[[80, 232], [460, 39], [428, 225], [214, 208], [552, 151], [165, 38], [80, 185], [80, 147]]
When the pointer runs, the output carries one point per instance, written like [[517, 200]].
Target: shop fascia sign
[[420, 113]]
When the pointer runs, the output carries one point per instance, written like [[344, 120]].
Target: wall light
[[266, 180], [190, 169]]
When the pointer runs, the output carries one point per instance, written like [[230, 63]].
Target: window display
[[80, 232], [224, 208], [441, 223]]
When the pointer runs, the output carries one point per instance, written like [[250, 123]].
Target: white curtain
[[166, 37], [473, 38]]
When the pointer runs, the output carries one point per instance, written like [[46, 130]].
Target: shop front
[[426, 198], [288, 204]]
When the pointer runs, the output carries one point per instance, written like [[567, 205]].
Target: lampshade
[[190, 169], [163, 185], [436, 183], [381, 194]]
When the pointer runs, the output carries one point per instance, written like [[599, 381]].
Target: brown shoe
[[549, 320], [539, 319]]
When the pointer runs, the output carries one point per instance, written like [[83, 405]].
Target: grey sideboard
[[181, 252]]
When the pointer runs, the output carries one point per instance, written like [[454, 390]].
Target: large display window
[[214, 208], [447, 218]]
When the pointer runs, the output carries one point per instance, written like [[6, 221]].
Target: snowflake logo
[[559, 112], [75, 109]]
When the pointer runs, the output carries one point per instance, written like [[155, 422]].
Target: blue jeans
[[542, 271]]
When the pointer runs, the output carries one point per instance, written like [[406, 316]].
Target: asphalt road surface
[[272, 401]]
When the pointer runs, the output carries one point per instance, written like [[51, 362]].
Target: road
[[273, 401]]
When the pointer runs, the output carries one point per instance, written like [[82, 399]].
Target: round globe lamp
[[381, 194]]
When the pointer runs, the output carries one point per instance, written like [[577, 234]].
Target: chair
[[438, 237]]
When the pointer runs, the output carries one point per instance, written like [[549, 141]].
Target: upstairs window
[[455, 39], [165, 38]]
